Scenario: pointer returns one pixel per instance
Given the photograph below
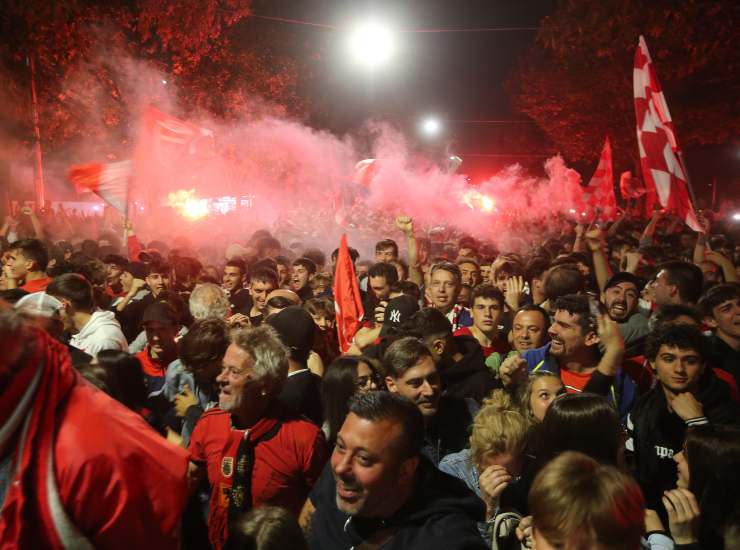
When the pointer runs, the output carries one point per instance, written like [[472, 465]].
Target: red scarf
[[26, 520]]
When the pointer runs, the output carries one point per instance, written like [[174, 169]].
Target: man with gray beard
[[253, 452]]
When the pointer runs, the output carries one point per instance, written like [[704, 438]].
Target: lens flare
[[195, 209], [475, 200], [188, 204]]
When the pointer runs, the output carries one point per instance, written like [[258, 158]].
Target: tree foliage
[[98, 62], [575, 81]]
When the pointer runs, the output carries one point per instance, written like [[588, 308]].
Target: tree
[[575, 82], [99, 62]]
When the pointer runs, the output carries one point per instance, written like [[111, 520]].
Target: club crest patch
[[227, 466]]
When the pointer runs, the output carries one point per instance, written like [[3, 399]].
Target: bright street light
[[431, 126], [372, 44]]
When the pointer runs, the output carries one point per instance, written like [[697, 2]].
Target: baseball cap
[[398, 310], [116, 259], [137, 269], [296, 329], [160, 312], [39, 304], [625, 277], [289, 295]]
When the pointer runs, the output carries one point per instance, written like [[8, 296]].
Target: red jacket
[[119, 484], [285, 466]]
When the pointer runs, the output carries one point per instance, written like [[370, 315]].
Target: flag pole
[[38, 173], [688, 179]]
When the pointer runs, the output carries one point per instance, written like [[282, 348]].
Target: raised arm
[[38, 229], [649, 233], [578, 244], [595, 241], [406, 224], [700, 249]]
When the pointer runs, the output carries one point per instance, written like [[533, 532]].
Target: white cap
[[40, 304]]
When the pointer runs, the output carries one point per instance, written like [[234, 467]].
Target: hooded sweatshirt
[[101, 332], [441, 514]]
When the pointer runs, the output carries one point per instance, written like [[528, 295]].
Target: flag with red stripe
[[364, 172], [598, 196], [662, 169], [110, 181], [171, 139], [629, 187], [347, 299]]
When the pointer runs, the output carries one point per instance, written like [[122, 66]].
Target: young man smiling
[[687, 393], [412, 373], [26, 266], [573, 353]]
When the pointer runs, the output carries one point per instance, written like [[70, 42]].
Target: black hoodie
[[441, 514], [468, 377], [656, 434]]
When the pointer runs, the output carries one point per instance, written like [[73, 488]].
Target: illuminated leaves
[[576, 81]]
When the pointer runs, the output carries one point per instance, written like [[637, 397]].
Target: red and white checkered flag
[[110, 181], [598, 197], [662, 170]]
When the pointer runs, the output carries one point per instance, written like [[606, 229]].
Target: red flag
[[598, 197], [365, 171], [110, 181], [629, 187], [662, 170], [347, 300], [171, 139]]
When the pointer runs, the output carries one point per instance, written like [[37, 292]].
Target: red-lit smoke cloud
[[299, 181]]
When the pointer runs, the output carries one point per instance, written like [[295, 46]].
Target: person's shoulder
[[450, 531], [176, 369], [535, 355], [464, 331], [301, 428], [454, 462], [96, 430], [646, 402], [216, 414], [444, 514]]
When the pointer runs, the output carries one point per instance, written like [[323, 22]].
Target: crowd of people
[[579, 391]]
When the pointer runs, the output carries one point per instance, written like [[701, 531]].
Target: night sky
[[458, 76]]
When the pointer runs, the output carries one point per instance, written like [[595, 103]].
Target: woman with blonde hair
[[535, 397], [494, 460]]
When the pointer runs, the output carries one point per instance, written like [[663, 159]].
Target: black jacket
[[656, 434], [468, 377], [724, 357], [441, 515], [448, 431]]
